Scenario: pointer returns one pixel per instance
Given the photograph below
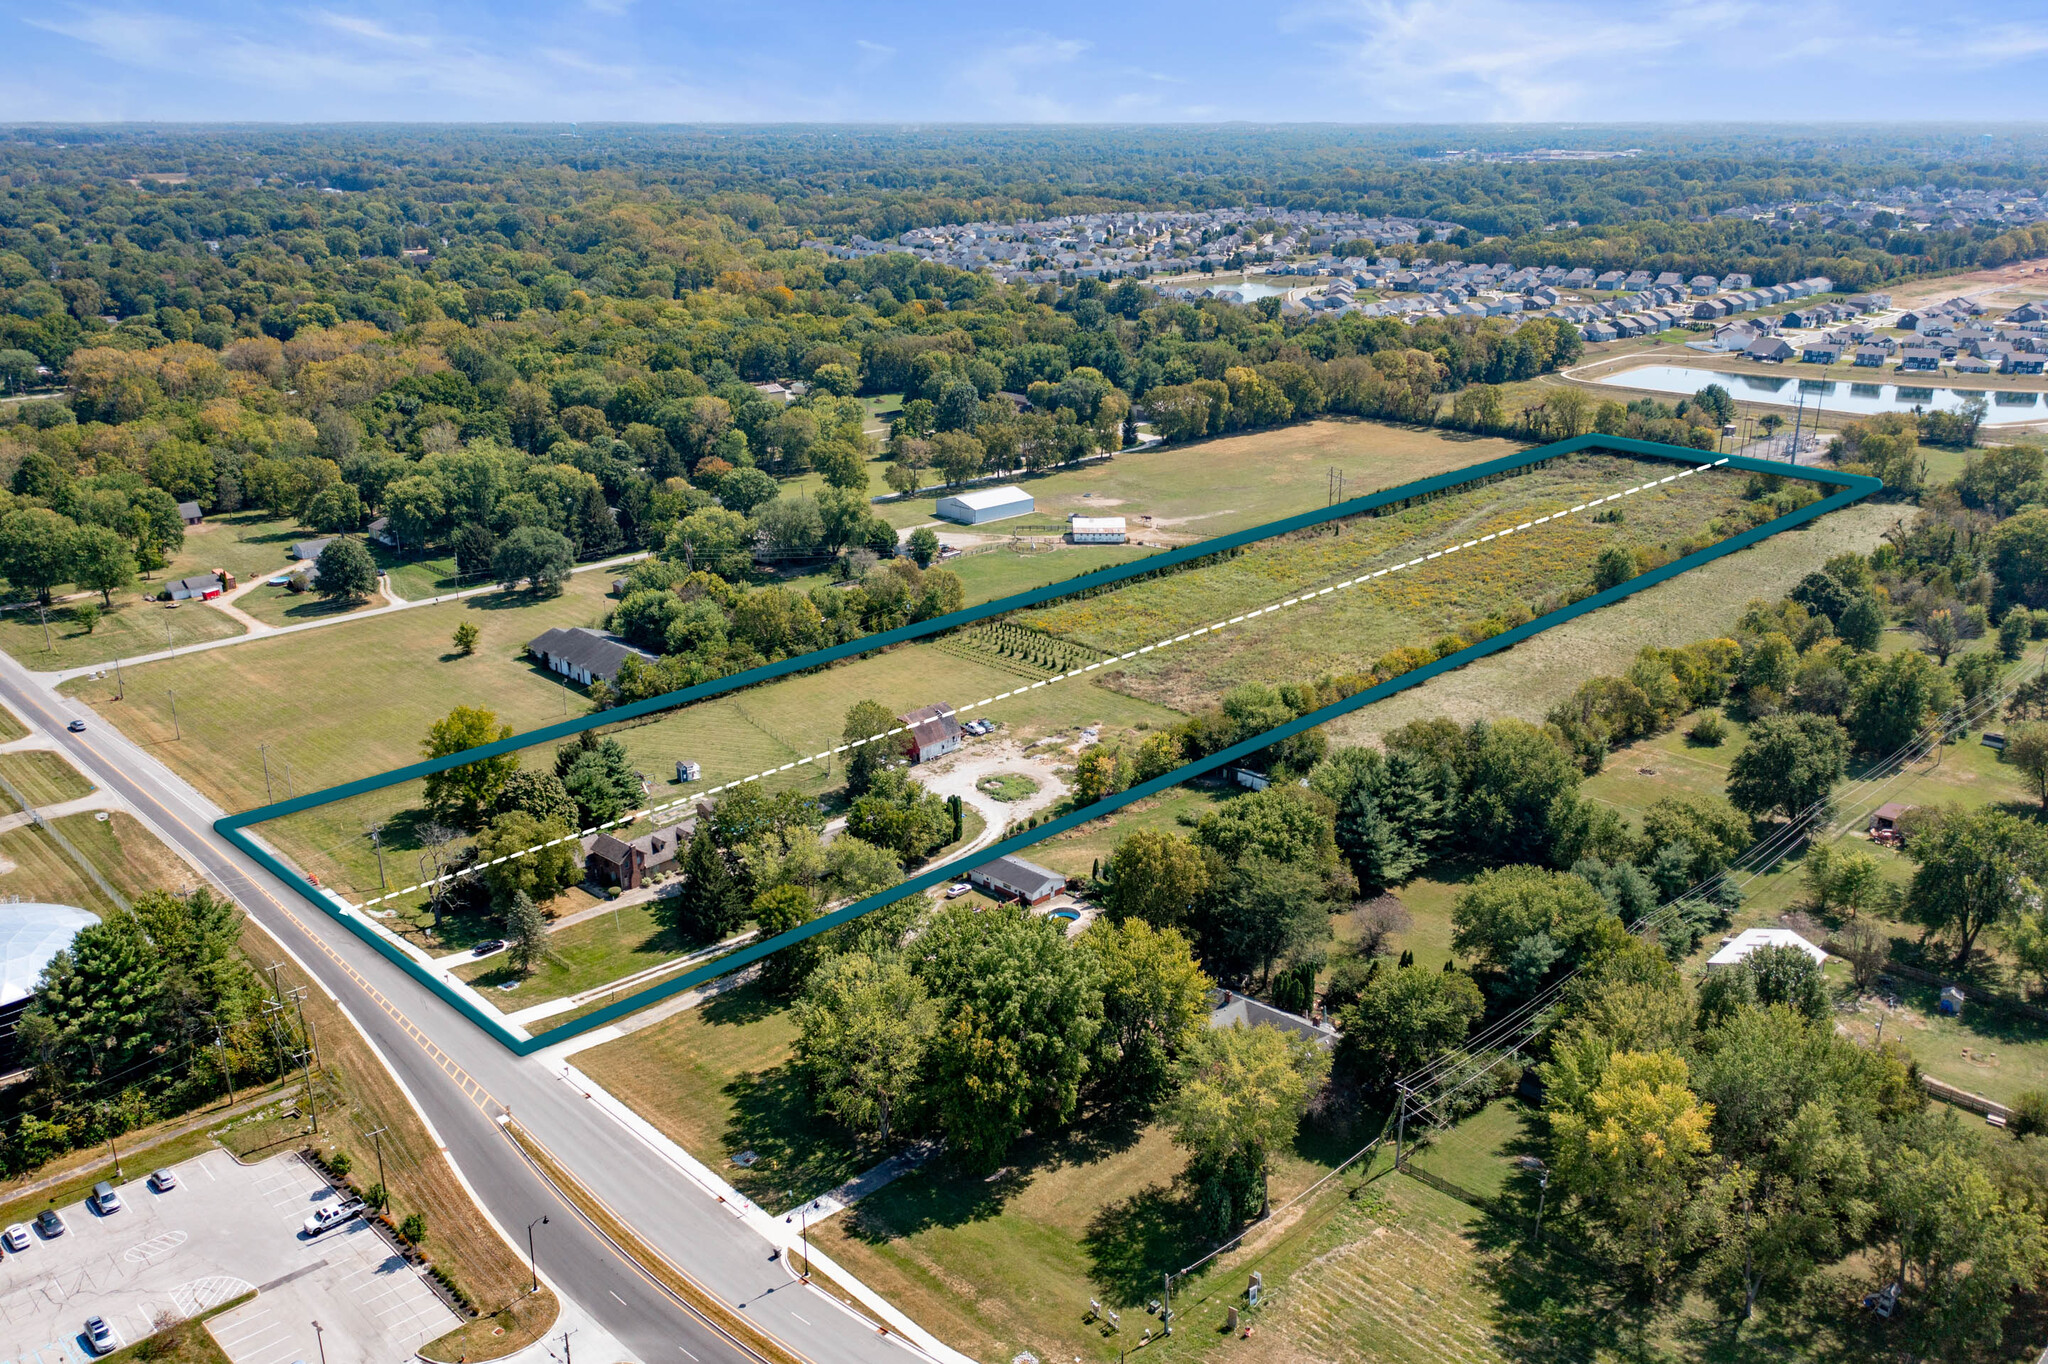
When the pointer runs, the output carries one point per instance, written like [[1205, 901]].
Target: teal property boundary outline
[[1848, 488]]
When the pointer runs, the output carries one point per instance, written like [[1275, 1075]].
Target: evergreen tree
[[709, 906], [1378, 853], [526, 933]]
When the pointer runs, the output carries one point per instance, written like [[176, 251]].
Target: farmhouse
[[1750, 939], [626, 863], [198, 587], [1096, 530], [934, 730], [986, 504], [1229, 1009], [582, 654], [1013, 876]]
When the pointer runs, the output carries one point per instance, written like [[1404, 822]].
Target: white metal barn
[[986, 504]]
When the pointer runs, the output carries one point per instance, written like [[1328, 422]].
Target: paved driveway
[[225, 1230]]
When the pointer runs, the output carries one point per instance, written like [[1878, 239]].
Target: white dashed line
[[634, 815]]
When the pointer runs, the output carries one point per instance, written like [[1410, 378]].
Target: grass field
[[1348, 631], [579, 958], [248, 544], [1215, 486], [42, 777], [346, 701], [10, 727], [734, 736], [34, 866], [1527, 680], [282, 606], [133, 627], [718, 1080]]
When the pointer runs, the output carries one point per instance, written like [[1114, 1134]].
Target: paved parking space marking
[[154, 1249], [203, 1295]]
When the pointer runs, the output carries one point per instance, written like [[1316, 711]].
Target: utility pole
[[1166, 1305], [377, 842], [1542, 1194], [117, 1157], [220, 1043], [120, 681], [269, 794], [44, 617], [176, 733], [378, 1138], [1400, 1123]]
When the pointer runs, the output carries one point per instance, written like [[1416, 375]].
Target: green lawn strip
[[35, 868], [43, 777], [282, 606], [141, 1151], [132, 627], [719, 1081], [11, 728], [580, 957], [127, 853]]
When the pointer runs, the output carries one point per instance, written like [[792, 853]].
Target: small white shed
[[1096, 530]]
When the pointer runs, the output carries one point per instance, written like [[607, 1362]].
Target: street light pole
[[533, 1262], [321, 1336], [377, 842], [1542, 1194], [176, 733]]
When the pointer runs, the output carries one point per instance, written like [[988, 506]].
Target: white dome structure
[[31, 934]]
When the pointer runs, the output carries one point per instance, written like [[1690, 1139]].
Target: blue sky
[[1039, 61]]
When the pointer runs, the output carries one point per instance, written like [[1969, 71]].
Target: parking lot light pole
[[321, 1336], [378, 1137], [533, 1264]]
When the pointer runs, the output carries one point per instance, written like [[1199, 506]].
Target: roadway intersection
[[462, 1081]]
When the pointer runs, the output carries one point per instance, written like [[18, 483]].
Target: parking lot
[[225, 1230]]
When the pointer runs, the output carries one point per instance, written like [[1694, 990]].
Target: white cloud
[[1019, 78], [1538, 60]]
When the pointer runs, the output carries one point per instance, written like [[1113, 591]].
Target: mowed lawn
[[35, 867], [346, 701], [718, 1080], [42, 777], [753, 731], [11, 728], [133, 627], [1212, 487]]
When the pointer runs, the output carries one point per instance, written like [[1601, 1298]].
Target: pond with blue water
[[2005, 407]]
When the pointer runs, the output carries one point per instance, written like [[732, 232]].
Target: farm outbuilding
[[1096, 530], [933, 731], [987, 504]]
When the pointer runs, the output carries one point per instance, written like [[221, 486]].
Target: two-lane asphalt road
[[461, 1080]]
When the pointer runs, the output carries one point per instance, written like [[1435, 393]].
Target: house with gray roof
[[583, 655], [1015, 878], [1229, 1009]]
